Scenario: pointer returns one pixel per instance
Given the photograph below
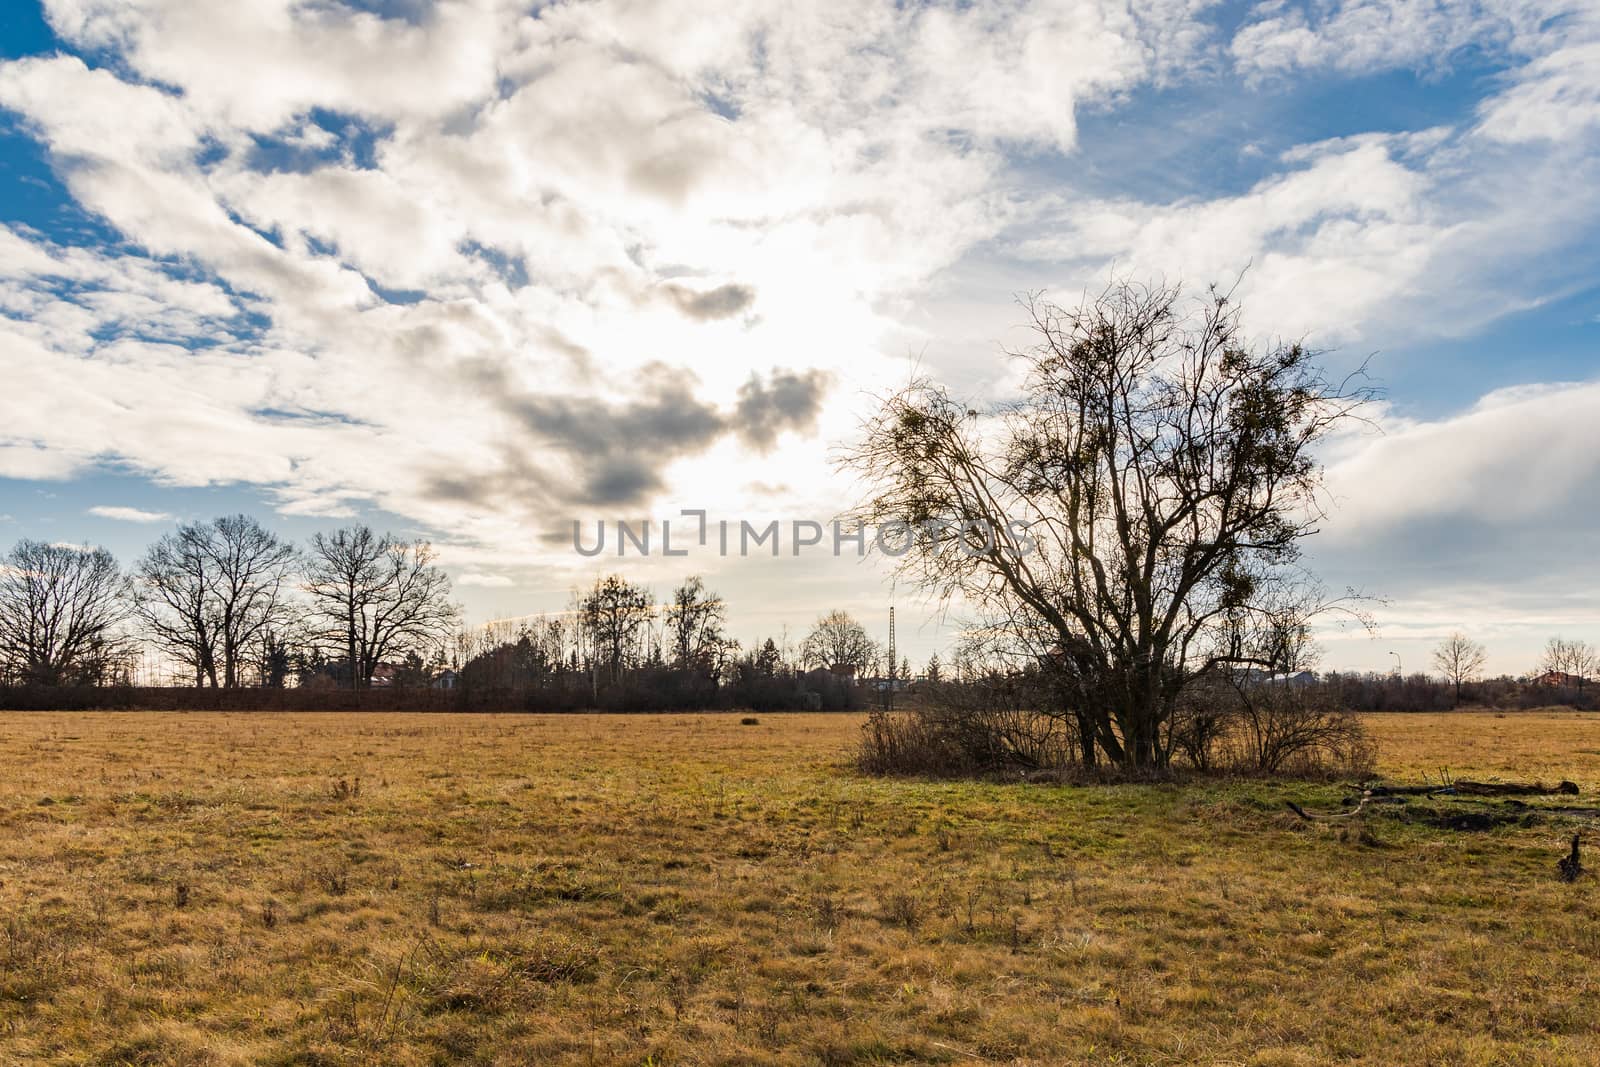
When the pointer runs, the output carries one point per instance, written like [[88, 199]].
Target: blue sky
[[469, 271]]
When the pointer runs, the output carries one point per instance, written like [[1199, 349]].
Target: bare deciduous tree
[[695, 628], [172, 601], [60, 606], [1574, 661], [253, 571], [614, 614], [838, 641], [1460, 659], [208, 592], [1154, 481], [377, 597]]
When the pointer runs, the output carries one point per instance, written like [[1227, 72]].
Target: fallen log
[[1467, 788], [1484, 814], [1514, 789], [1403, 790]]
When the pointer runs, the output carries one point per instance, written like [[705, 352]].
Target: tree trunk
[[1087, 739], [353, 657], [1142, 720]]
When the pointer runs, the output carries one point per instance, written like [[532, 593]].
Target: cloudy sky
[[473, 269]]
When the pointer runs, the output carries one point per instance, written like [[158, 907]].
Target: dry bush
[[1200, 724], [903, 909], [332, 876], [1268, 728], [905, 743], [970, 728], [1218, 727], [1300, 732]]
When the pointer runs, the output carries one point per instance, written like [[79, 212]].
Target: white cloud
[[1480, 521], [1518, 456], [1328, 241], [1556, 97], [1377, 238], [1365, 35], [484, 581], [127, 514], [255, 65]]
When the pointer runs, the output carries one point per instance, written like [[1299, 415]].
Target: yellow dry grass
[[201, 889]]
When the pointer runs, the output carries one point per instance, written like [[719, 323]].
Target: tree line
[[229, 604]]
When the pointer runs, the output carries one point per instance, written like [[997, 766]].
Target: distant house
[[445, 680], [1289, 679], [1559, 680]]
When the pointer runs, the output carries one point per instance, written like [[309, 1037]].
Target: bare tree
[[1153, 482], [208, 592], [614, 614], [838, 641], [1574, 661], [695, 628], [60, 606], [1460, 659], [253, 573], [173, 604], [377, 597]]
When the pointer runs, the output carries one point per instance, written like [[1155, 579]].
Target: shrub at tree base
[[1271, 731]]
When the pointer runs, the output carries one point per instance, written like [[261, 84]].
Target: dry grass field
[[399, 889]]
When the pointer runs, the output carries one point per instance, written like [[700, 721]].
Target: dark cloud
[[587, 452], [719, 303], [789, 401], [618, 451], [521, 481], [621, 480], [456, 488]]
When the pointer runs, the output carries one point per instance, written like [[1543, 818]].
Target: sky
[[474, 270]]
